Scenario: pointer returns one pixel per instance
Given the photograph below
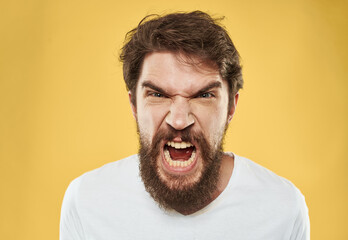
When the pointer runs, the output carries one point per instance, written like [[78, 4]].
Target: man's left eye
[[205, 95]]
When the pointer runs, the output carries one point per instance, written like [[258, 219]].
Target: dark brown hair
[[195, 34]]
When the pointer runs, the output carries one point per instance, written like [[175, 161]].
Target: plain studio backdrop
[[64, 107]]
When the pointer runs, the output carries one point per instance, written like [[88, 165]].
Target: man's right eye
[[156, 94]]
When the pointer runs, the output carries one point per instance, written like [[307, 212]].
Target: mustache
[[186, 135]]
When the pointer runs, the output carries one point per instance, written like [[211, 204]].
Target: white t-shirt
[[111, 203]]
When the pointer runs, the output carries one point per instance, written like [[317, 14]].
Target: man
[[183, 76]]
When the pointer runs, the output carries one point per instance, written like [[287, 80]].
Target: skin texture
[[173, 94]]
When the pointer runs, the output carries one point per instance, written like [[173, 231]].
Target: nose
[[179, 116]]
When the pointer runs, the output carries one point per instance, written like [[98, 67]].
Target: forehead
[[177, 74]]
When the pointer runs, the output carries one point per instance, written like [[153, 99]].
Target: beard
[[184, 193]]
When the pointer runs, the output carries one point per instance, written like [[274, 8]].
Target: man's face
[[182, 113]]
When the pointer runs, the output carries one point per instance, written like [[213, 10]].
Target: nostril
[[179, 122]]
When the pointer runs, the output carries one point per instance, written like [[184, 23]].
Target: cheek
[[150, 119], [212, 114], [212, 121]]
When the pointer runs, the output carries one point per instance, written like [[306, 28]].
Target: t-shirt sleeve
[[301, 229], [70, 224]]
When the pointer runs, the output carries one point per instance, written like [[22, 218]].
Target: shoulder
[[96, 189], [114, 171], [266, 185], [108, 176], [278, 197], [106, 182], [261, 176]]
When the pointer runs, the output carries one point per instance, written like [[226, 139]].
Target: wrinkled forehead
[[178, 72], [194, 61]]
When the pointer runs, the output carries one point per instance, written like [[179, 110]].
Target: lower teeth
[[174, 163]]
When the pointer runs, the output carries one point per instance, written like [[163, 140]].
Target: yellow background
[[64, 108]]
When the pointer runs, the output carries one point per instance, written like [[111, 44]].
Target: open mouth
[[179, 156]]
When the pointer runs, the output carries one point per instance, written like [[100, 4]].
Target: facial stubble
[[178, 192]]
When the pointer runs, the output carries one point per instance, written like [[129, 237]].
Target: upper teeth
[[179, 145]]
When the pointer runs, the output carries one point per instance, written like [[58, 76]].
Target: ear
[[233, 108], [134, 108]]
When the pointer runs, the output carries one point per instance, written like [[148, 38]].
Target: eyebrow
[[209, 87], [148, 84], [201, 91]]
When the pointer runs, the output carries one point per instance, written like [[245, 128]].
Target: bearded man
[[183, 75]]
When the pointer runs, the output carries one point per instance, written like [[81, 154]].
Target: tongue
[[180, 154]]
